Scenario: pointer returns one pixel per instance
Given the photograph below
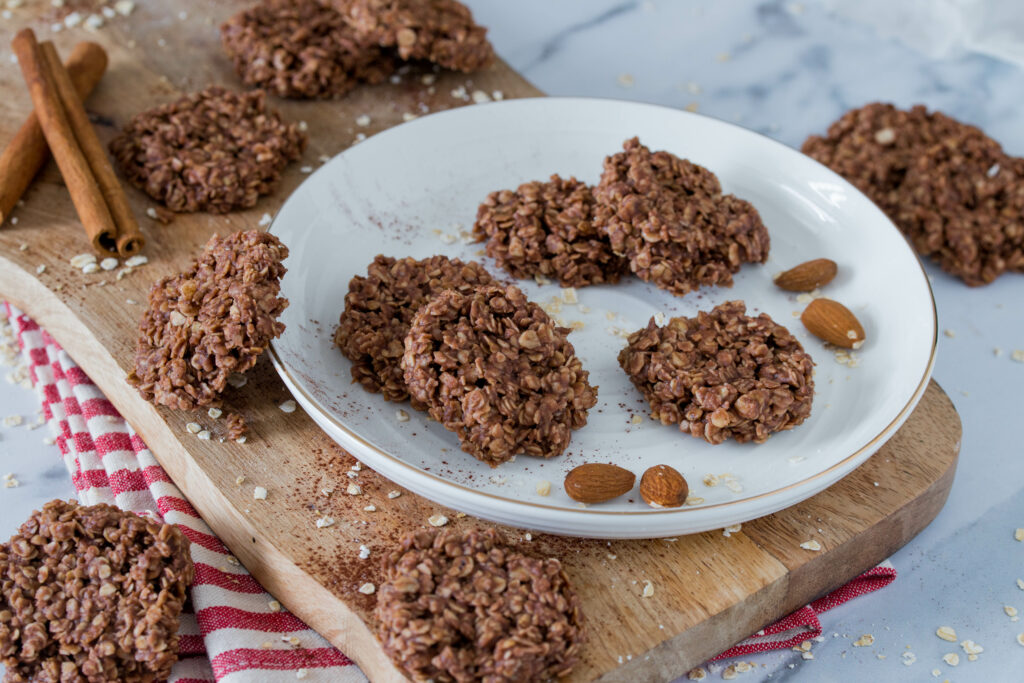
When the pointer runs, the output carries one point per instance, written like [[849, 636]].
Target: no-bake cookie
[[945, 184], [492, 367], [380, 306], [466, 607], [440, 31], [215, 150], [546, 228], [722, 375], [301, 49], [211, 321], [91, 593], [668, 216]]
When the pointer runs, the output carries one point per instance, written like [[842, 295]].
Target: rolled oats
[[722, 374], [91, 593], [229, 297], [302, 49], [492, 367], [215, 150], [445, 604], [380, 306], [547, 229], [669, 217], [440, 31]]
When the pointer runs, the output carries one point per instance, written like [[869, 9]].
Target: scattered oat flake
[[124, 7], [370, 508], [239, 480], [864, 641], [1018, 355], [301, 673], [971, 647], [237, 380], [82, 259], [1020, 638], [274, 606], [636, 419], [394, 494], [214, 412], [367, 589], [265, 219], [324, 522], [693, 500], [951, 658], [288, 406], [730, 530], [1018, 534], [543, 487], [437, 520], [408, 116], [480, 97], [908, 658], [193, 427], [401, 416], [354, 489], [698, 674], [204, 434], [1020, 584], [946, 633], [648, 589], [626, 80], [1010, 611], [40, 269], [109, 263], [306, 169], [13, 420], [811, 545], [364, 552], [949, 333], [259, 493], [136, 261], [936, 673]]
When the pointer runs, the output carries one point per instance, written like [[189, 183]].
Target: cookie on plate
[[91, 593], [214, 150], [380, 306], [722, 375], [546, 229], [439, 31], [211, 321], [464, 606], [493, 367], [301, 49], [946, 185], [668, 216]]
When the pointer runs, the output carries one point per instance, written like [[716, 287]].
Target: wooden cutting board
[[710, 590]]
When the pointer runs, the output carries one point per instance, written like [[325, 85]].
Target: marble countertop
[[787, 70]]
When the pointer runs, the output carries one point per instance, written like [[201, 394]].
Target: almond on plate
[[807, 276], [663, 487], [598, 482], [833, 322]]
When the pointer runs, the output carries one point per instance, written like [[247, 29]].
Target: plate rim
[[872, 445]]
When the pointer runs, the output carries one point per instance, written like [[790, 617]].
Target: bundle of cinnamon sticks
[[61, 126]]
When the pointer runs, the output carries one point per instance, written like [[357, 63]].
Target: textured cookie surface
[[466, 607], [214, 150], [546, 229], [91, 594], [211, 321], [669, 218], [301, 49], [945, 184], [440, 31], [380, 306], [722, 375], [492, 367]]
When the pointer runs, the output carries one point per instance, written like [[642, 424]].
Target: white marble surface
[[788, 70]]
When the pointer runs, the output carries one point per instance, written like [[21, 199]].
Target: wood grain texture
[[710, 591]]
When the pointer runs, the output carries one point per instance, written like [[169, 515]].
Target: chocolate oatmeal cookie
[[546, 229], [91, 594], [466, 607], [722, 374], [301, 49], [946, 185], [492, 367], [215, 150], [668, 216], [380, 306], [440, 31], [213, 320]]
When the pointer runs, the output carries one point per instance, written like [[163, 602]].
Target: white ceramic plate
[[412, 190]]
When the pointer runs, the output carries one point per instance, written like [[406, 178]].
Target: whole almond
[[833, 322], [663, 487], [598, 482], [807, 276]]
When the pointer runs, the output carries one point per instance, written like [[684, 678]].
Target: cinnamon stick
[[82, 186], [129, 239], [27, 151]]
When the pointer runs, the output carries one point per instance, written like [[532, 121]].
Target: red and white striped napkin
[[232, 630]]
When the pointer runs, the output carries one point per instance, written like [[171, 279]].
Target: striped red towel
[[233, 630]]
